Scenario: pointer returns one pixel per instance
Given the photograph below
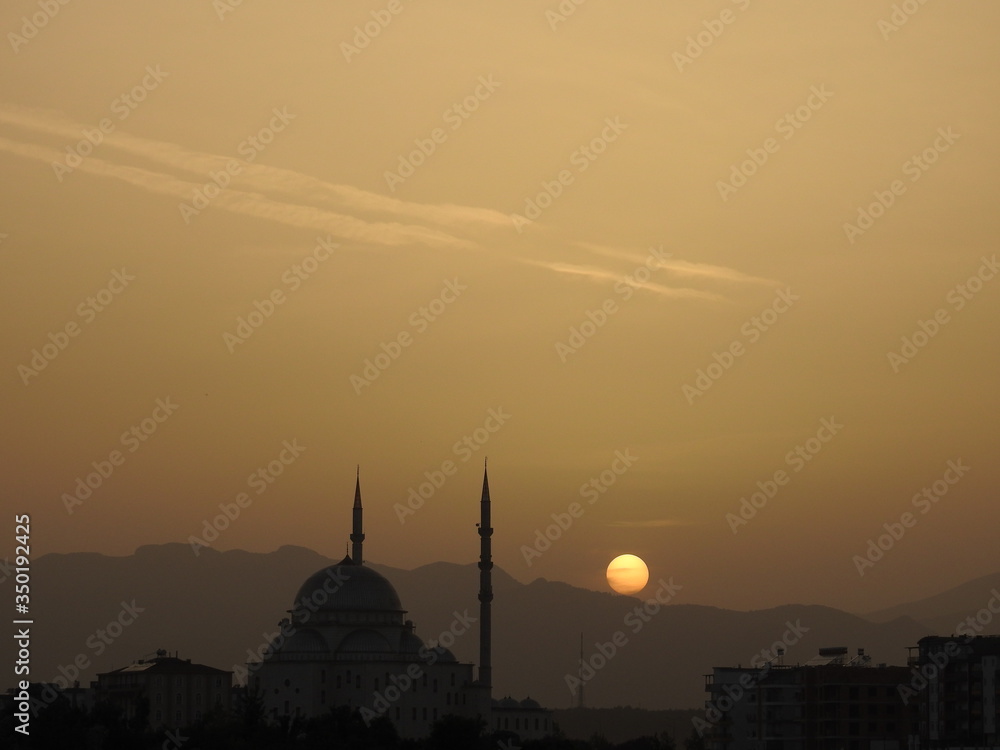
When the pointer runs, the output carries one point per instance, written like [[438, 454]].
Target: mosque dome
[[346, 587]]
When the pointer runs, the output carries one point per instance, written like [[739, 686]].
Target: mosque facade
[[347, 642]]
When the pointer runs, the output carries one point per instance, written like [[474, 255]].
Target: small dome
[[530, 703], [411, 643], [347, 587], [305, 641]]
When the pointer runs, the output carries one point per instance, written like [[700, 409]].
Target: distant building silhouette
[[347, 643], [829, 703], [955, 681], [173, 691]]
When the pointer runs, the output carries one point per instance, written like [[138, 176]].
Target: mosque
[[347, 643]]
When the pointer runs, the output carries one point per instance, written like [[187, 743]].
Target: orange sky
[[650, 258]]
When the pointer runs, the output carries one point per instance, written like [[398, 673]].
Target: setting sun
[[627, 574]]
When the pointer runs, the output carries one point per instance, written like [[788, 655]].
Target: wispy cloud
[[679, 267], [596, 273], [252, 204], [303, 201], [272, 193]]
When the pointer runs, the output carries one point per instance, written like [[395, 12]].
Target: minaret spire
[[485, 586], [357, 534]]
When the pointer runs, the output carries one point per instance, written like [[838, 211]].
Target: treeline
[[62, 726]]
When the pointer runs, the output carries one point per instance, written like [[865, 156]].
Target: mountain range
[[93, 613]]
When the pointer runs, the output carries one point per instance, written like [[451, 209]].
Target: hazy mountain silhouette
[[941, 613], [215, 607]]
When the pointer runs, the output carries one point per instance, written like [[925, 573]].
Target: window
[[322, 676], [197, 699], [453, 679], [357, 682], [159, 715], [180, 698]]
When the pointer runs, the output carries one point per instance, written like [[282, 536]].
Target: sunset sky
[[644, 256]]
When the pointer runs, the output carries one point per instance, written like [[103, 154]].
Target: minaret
[[357, 535], [485, 586]]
